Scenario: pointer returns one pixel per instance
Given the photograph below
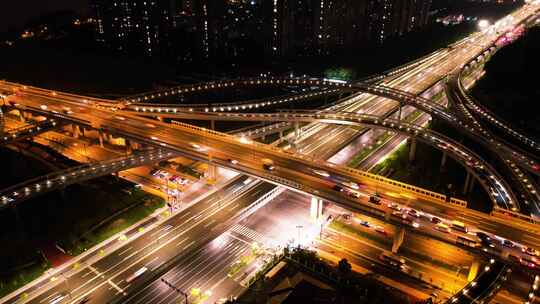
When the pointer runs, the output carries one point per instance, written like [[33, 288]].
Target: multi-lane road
[[337, 135]]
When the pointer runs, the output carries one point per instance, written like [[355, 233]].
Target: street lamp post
[[299, 227]]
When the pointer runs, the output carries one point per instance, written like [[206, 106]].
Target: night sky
[[17, 12]]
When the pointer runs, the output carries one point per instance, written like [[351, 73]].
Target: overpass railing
[[522, 220], [242, 105], [55, 180], [483, 286], [458, 151], [357, 173]]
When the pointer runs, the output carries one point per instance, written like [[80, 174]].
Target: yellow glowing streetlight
[[483, 24]]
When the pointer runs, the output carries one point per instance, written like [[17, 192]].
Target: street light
[[299, 227], [483, 24]]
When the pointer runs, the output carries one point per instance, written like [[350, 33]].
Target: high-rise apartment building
[[319, 27], [390, 18], [237, 29], [133, 25]]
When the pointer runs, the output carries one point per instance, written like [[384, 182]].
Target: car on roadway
[[136, 274], [442, 228], [364, 223], [485, 239], [530, 251], [374, 199], [321, 173], [528, 262], [351, 185], [393, 260], [508, 244], [337, 188], [394, 206], [381, 230], [232, 161], [268, 164], [398, 213], [354, 194], [413, 213]]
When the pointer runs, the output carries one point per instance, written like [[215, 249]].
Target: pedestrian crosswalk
[[250, 235]]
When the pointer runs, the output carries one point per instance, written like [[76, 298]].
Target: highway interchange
[[109, 276]]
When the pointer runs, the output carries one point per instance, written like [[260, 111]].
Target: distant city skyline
[[17, 13]]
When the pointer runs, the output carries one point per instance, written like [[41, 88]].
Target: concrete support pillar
[[212, 125], [101, 138], [281, 135], [473, 271], [316, 209], [82, 131], [399, 236], [21, 116], [443, 160], [135, 145], [467, 181], [296, 130], [471, 184], [412, 149], [387, 214], [75, 130], [399, 113], [109, 138], [129, 149], [211, 172]]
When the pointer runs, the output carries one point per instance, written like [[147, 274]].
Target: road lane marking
[[209, 223], [188, 245], [128, 256], [94, 270], [47, 298], [124, 251], [116, 287]]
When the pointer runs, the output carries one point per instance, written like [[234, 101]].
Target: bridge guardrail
[[58, 179], [509, 214], [425, 193], [396, 125]]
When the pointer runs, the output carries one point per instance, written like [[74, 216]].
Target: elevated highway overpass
[[155, 96], [495, 214], [404, 98], [299, 173], [33, 129], [495, 186], [9, 197]]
